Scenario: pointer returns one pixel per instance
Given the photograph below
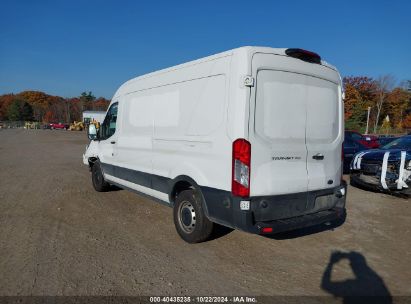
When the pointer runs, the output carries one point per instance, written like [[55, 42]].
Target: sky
[[67, 47]]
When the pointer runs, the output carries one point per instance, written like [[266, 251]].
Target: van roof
[[245, 50]]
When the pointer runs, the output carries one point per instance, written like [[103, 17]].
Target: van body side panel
[[238, 110], [189, 132], [134, 144], [174, 124]]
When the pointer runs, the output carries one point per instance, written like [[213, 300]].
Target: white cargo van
[[250, 138]]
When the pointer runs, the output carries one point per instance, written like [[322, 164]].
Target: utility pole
[[68, 111], [368, 119]]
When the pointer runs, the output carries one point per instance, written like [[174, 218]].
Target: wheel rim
[[187, 217]]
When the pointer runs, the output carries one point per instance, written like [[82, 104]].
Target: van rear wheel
[[189, 218], [99, 183]]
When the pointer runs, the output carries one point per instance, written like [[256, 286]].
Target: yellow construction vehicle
[[31, 125], [76, 126], [96, 123]]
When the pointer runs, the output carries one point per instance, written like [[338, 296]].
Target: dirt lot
[[60, 237]]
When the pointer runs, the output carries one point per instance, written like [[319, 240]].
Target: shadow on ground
[[114, 188], [366, 287], [219, 231]]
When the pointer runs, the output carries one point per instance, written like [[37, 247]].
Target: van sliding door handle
[[112, 142], [318, 156]]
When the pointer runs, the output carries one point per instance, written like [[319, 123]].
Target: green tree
[[26, 111], [13, 112], [358, 118], [86, 101]]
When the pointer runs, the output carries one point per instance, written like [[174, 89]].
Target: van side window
[[108, 127]]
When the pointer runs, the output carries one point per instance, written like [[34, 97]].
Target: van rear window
[[297, 108], [280, 106]]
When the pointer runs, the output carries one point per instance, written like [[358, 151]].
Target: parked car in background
[[386, 169], [384, 140], [370, 141], [350, 148], [59, 125]]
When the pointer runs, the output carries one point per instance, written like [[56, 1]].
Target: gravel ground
[[60, 237]]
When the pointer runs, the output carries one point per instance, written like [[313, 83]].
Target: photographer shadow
[[366, 287]]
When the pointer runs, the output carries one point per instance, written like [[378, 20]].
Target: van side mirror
[[92, 132]]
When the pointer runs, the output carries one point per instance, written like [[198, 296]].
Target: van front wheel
[[189, 218], [97, 178]]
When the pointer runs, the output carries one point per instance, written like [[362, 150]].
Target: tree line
[[45, 108], [380, 97], [389, 105]]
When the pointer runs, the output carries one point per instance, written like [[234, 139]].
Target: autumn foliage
[[42, 107], [383, 100]]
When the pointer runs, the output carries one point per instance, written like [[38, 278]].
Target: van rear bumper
[[279, 212], [308, 220]]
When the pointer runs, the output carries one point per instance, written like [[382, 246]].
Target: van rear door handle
[[318, 156], [112, 142]]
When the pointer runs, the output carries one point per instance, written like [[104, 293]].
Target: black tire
[[352, 181], [99, 184], [189, 218]]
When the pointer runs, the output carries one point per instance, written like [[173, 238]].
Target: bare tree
[[38, 112], [67, 103], [384, 84], [406, 85]]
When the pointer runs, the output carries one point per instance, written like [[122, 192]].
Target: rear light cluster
[[369, 143], [240, 181], [267, 230], [304, 55]]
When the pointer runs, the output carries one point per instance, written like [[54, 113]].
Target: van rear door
[[295, 128], [323, 133], [278, 150]]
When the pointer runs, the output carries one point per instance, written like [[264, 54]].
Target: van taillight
[[240, 181]]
